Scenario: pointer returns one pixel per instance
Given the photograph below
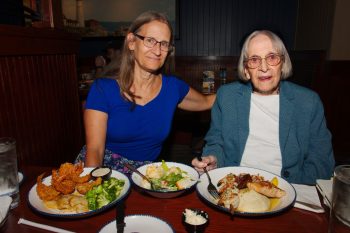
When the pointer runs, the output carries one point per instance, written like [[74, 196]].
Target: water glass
[[8, 170], [339, 221]]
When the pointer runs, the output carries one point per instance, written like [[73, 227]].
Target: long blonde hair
[[126, 71]]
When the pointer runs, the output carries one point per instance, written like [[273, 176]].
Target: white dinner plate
[[286, 202], [38, 205], [140, 223]]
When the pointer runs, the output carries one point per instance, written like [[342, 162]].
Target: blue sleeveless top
[[136, 133]]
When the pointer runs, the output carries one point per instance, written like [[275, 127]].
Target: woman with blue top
[[128, 118]]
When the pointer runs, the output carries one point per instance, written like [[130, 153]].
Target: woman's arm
[[195, 101], [95, 129]]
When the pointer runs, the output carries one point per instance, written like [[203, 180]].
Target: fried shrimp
[[69, 169], [85, 187], [61, 183], [46, 193], [67, 188], [81, 179]]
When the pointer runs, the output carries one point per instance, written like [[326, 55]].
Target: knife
[[120, 213]]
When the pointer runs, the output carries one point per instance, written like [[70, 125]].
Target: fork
[[211, 188], [132, 168]]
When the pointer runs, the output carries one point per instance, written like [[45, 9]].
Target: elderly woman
[[128, 118], [266, 122]]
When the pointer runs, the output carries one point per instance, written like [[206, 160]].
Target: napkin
[[307, 194], [5, 202], [325, 188]]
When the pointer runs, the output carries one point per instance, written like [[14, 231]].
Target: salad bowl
[[189, 175]]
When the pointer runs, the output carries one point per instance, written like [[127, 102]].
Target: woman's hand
[[210, 162]]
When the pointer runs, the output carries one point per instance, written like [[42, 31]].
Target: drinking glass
[[339, 221], [8, 170]]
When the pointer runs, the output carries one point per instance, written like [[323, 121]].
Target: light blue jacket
[[305, 141]]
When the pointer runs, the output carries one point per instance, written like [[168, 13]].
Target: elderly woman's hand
[[210, 162]]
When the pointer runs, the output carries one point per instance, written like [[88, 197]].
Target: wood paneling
[[217, 28], [39, 94], [33, 41], [11, 12], [191, 68], [314, 24], [334, 90]]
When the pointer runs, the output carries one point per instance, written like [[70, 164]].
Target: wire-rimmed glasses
[[150, 42], [272, 59]]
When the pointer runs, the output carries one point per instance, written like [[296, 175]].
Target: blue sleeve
[[97, 99], [183, 88]]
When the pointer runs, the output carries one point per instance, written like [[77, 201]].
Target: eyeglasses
[[272, 59], [150, 42]]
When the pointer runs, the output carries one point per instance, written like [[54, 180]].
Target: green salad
[[104, 193], [167, 178]]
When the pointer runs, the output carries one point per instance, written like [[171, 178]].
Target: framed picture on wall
[[96, 18]]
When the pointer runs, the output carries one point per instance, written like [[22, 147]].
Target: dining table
[[168, 210]]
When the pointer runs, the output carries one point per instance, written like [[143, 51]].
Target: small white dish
[[20, 178], [193, 226], [5, 202], [193, 174], [286, 202], [140, 223]]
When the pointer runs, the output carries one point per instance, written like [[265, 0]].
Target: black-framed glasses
[[150, 42], [273, 59]]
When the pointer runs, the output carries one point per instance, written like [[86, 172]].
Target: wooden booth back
[[39, 101]]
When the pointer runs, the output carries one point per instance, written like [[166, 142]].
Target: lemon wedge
[[274, 202], [274, 181]]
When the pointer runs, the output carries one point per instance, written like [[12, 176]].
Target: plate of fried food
[[71, 192], [247, 191]]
